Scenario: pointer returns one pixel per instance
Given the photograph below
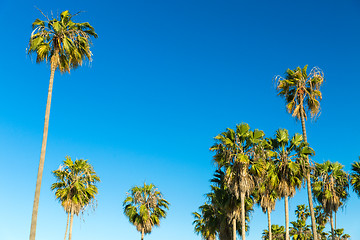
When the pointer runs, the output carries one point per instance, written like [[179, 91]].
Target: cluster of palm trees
[[251, 168], [254, 169]]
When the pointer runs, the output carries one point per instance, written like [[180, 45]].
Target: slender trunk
[[287, 235], [42, 154], [67, 225], [335, 220], [71, 224], [332, 226], [308, 184], [234, 228], [142, 234], [242, 199], [269, 222]]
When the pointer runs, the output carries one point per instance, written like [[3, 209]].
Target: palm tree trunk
[[71, 224], [67, 225], [142, 234], [308, 183], [242, 199], [332, 226], [234, 228], [42, 154], [269, 222], [287, 235], [335, 220]]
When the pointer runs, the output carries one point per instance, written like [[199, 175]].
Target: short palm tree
[[302, 94], [235, 151], [288, 156], [321, 219], [75, 187], [219, 217], [65, 44], [204, 227], [300, 230], [278, 233], [330, 188], [355, 177], [267, 192], [145, 207]]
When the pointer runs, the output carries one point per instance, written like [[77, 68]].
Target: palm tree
[[321, 219], [302, 95], [267, 192], [203, 227], [235, 151], [355, 177], [220, 215], [330, 188], [75, 187], [340, 234], [278, 233], [145, 206], [288, 156], [300, 230], [66, 45]]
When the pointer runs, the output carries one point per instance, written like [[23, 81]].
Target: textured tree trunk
[[71, 224], [67, 224], [335, 220], [142, 234], [42, 154], [308, 184], [234, 228], [269, 222], [332, 226], [287, 235], [242, 199]]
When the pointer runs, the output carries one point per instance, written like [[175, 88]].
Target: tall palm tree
[[302, 95], [75, 187], [235, 151], [330, 188], [288, 153], [355, 177], [66, 45], [145, 207]]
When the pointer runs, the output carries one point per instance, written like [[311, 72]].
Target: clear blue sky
[[167, 77]]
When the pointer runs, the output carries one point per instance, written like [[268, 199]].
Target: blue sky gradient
[[166, 77]]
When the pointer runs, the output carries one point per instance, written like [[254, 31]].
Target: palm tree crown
[[330, 185], [145, 206], [65, 43], [301, 91], [76, 184], [75, 187]]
